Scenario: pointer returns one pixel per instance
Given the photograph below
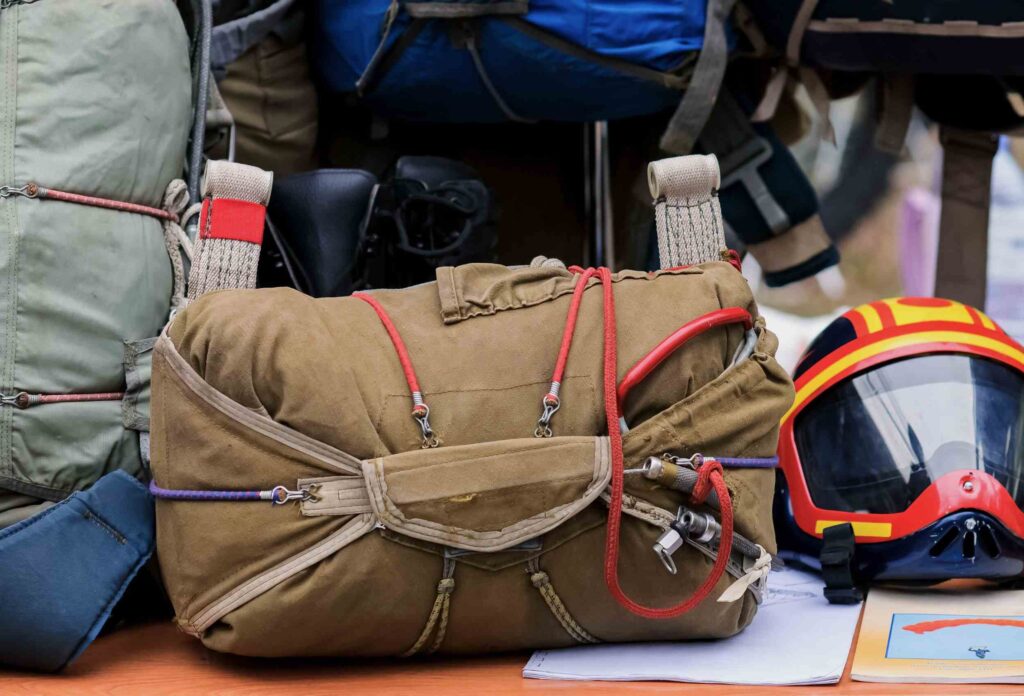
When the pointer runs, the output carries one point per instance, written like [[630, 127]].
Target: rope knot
[[551, 401], [702, 489], [540, 579], [446, 586], [420, 411]]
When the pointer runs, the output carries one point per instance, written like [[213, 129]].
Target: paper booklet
[[795, 638], [950, 634]]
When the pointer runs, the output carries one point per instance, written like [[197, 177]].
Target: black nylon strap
[[838, 544]]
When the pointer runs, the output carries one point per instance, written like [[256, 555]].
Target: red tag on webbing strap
[[229, 218]]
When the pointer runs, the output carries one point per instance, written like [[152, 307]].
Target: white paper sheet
[[797, 637]]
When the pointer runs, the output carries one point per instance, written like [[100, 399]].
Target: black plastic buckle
[[844, 595], [836, 556]]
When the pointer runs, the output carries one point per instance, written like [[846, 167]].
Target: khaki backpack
[[303, 511]]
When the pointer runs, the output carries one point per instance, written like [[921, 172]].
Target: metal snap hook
[[279, 495], [551, 405]]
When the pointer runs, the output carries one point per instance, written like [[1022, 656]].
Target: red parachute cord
[[35, 191], [420, 410], [551, 401], [710, 476], [570, 324], [396, 340]]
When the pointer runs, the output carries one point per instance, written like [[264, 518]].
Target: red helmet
[[908, 424]]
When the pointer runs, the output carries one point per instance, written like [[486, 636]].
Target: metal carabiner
[[29, 190], [551, 405], [279, 495], [694, 461], [430, 438], [20, 400]]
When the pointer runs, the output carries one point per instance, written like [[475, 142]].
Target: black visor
[[874, 442]]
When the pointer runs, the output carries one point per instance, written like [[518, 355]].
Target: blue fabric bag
[[499, 60], [63, 570]]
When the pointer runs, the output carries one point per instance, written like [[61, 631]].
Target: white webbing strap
[[686, 209], [227, 249], [756, 573]]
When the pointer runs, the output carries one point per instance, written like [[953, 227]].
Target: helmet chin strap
[[837, 549]]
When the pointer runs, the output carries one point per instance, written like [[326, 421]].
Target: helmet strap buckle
[[837, 552]]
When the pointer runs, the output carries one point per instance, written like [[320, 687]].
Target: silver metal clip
[[694, 461], [666, 545], [543, 423], [279, 495], [20, 400], [29, 190], [430, 439], [688, 524]]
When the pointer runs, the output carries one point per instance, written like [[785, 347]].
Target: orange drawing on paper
[[928, 626]]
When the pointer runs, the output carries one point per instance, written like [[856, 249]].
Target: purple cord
[[177, 494], [748, 462], [181, 494]]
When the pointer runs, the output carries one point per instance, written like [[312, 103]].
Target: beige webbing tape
[[756, 573], [227, 249], [686, 209], [175, 239]]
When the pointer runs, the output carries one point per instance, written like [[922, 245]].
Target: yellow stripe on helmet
[[845, 364]]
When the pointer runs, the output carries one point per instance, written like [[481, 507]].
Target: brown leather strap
[[962, 267], [896, 108]]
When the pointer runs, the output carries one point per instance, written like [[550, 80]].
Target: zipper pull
[[20, 400], [29, 190]]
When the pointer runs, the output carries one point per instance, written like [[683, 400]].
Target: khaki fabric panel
[[577, 573], [482, 288], [350, 604], [489, 486], [516, 401], [371, 598], [479, 388], [270, 94], [471, 362], [209, 548], [303, 362]]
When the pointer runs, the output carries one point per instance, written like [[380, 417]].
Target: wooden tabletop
[[158, 659]]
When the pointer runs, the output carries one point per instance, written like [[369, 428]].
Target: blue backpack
[[498, 60], [465, 61]]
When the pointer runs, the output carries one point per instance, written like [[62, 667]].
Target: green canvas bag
[[303, 511], [95, 110]]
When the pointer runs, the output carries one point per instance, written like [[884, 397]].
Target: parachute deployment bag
[[501, 459]]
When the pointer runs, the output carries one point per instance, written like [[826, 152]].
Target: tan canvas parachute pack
[[546, 490]]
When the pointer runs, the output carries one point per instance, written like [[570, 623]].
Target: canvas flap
[[489, 496]]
